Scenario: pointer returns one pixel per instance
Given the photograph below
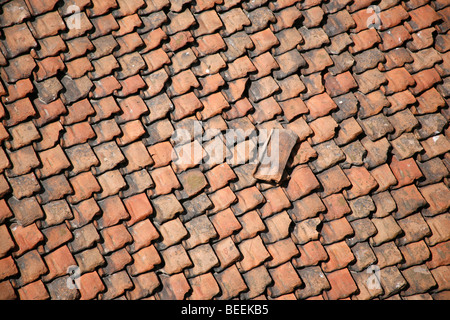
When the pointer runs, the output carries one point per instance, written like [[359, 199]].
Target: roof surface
[[97, 96]]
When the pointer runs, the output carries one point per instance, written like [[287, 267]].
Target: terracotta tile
[[336, 230], [206, 4], [365, 256], [328, 154], [277, 227], [115, 237], [161, 153], [387, 228], [225, 223], [137, 156], [18, 39], [84, 186], [4, 186], [313, 15], [276, 201], [143, 233], [438, 225], [213, 105], [234, 20], [47, 25], [19, 68], [333, 180], [111, 183], [144, 261], [430, 124], [31, 267], [192, 181], [307, 207], [434, 146], [203, 259], [263, 64], [222, 199], [354, 153], [227, 253], [315, 282], [204, 287], [175, 259], [437, 197], [364, 40], [8, 267], [251, 225], [397, 58], [439, 274], [166, 207], [342, 285], [285, 278], [302, 182], [286, 18], [34, 291], [99, 7], [18, 90], [26, 238], [426, 13], [116, 261], [368, 284], [338, 23], [200, 230], [347, 105], [314, 86], [384, 177], [392, 17], [83, 213], [96, 286], [22, 209], [172, 232], [439, 255], [56, 236], [306, 231], [116, 285], [419, 279], [361, 17], [84, 238], [317, 60], [433, 171], [293, 108], [7, 241], [230, 282], [53, 162], [56, 212], [259, 19], [127, 8], [311, 254], [21, 135], [208, 22], [323, 128], [21, 12], [340, 256], [405, 171], [425, 80], [349, 130], [290, 88], [58, 262], [138, 207], [387, 254], [414, 202], [209, 44], [414, 253], [381, 205]]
